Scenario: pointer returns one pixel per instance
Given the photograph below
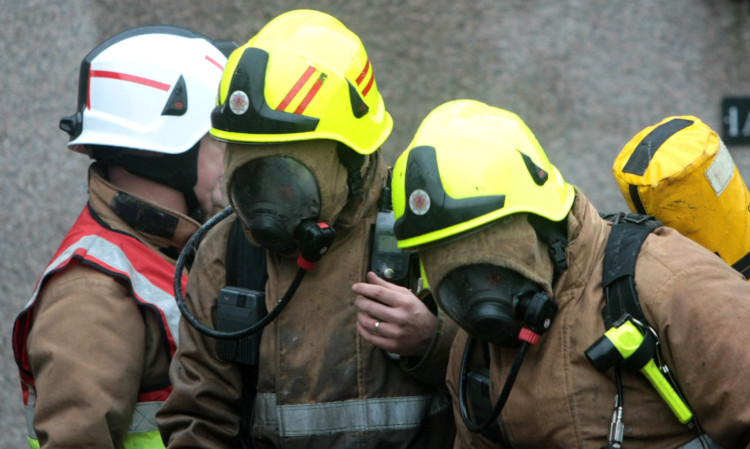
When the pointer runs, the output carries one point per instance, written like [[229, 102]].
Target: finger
[[375, 309], [389, 297], [366, 289], [374, 279], [375, 294], [376, 284], [377, 340], [372, 324]]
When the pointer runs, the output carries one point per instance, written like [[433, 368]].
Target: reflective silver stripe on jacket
[[354, 415], [29, 409], [701, 442], [144, 418], [113, 256]]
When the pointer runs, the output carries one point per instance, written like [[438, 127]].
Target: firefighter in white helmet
[[94, 343], [680, 171]]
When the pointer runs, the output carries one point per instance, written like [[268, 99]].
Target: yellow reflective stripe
[[143, 440], [142, 432]]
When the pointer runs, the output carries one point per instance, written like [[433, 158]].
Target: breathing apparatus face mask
[[494, 303], [273, 196], [495, 282]]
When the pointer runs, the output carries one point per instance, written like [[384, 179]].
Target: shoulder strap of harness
[[241, 255], [628, 234], [629, 231]]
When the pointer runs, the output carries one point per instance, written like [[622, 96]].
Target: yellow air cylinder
[[681, 172]]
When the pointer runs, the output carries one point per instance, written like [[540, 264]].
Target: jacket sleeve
[[701, 309], [203, 409], [431, 368], [86, 350]]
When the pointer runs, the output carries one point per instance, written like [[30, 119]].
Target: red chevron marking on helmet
[[131, 78], [212, 61], [296, 88], [311, 94], [124, 77], [369, 85], [364, 73], [362, 76]]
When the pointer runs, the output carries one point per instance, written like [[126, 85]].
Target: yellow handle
[[665, 390], [627, 338]]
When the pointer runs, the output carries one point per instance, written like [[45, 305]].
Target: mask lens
[[273, 196], [482, 298]]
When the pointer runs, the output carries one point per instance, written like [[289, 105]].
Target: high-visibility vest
[[150, 278]]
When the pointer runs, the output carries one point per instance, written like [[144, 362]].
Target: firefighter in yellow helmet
[[679, 171], [303, 119], [515, 255]]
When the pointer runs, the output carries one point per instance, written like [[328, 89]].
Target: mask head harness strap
[[353, 162], [554, 234]]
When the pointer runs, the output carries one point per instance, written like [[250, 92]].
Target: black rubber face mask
[[273, 196], [494, 303]]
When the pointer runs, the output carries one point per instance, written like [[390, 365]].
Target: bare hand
[[405, 326]]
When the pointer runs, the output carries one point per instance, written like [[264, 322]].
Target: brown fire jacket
[[91, 348], [320, 384], [697, 304]]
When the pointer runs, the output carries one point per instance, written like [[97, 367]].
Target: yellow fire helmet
[[303, 76], [470, 164], [679, 171]]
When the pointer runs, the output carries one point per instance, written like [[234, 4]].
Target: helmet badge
[[419, 202], [239, 102]]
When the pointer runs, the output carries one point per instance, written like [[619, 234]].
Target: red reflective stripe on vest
[[115, 253], [155, 396]]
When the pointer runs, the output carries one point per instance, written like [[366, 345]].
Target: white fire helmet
[[150, 88]]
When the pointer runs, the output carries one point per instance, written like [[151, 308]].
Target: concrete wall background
[[586, 76]]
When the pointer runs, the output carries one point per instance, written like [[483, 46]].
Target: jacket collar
[[157, 226], [587, 234]]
